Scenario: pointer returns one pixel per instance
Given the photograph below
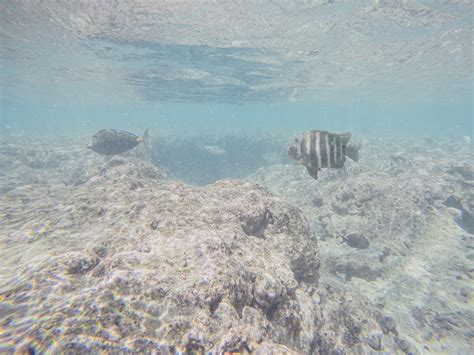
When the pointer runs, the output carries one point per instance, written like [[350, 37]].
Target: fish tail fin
[[345, 137], [146, 139], [352, 152]]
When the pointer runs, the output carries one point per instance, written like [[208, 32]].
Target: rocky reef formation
[[396, 228], [111, 255]]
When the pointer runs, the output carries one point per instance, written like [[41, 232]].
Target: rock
[[265, 348], [167, 263], [267, 292], [374, 341], [408, 201], [466, 171], [255, 222], [453, 201], [466, 218], [420, 315], [114, 161], [355, 240], [349, 321], [318, 202], [349, 268], [387, 323], [404, 345], [79, 263], [399, 163], [109, 255]]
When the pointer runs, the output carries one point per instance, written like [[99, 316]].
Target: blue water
[[200, 118], [376, 67]]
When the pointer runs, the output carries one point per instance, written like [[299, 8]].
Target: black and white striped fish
[[321, 149]]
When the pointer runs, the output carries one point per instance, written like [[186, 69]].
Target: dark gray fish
[[321, 149], [115, 141]]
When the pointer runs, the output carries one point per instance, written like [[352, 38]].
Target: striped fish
[[321, 149]]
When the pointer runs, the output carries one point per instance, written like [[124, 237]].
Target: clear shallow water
[[379, 66], [222, 85]]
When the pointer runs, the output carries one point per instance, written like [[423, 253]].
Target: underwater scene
[[236, 177]]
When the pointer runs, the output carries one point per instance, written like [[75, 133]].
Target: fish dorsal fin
[[345, 137]]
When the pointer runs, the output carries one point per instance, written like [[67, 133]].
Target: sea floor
[[119, 255]]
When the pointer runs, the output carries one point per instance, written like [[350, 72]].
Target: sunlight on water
[[234, 51]]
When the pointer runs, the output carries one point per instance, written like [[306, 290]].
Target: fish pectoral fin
[[313, 172], [140, 139]]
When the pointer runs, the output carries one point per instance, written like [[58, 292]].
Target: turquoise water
[[193, 118], [376, 67], [209, 236]]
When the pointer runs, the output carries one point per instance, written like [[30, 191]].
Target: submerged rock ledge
[[111, 255], [397, 228], [122, 259]]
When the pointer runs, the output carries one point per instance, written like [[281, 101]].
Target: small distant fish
[[214, 149], [321, 149], [115, 141], [466, 139], [294, 96]]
